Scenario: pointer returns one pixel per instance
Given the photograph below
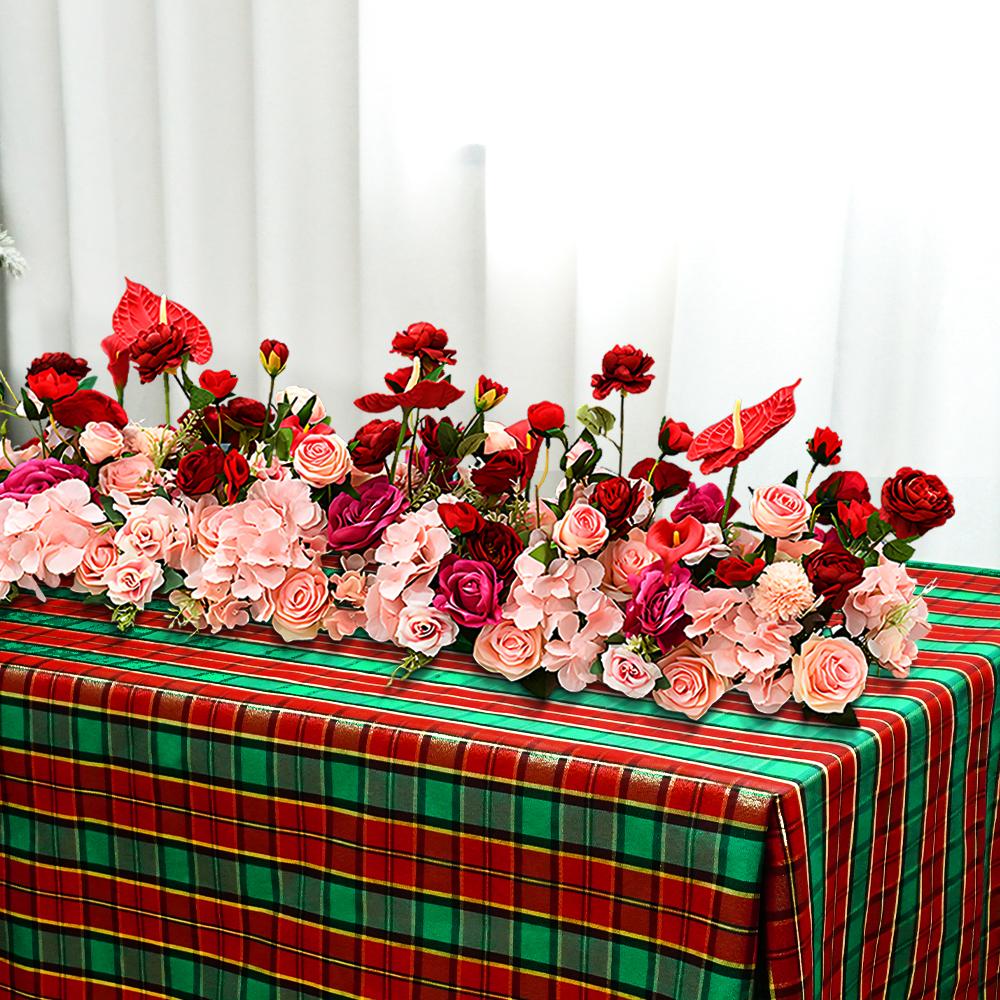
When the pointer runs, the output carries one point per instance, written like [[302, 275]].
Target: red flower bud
[[735, 572], [460, 517], [50, 385], [544, 417], [854, 515], [666, 478], [675, 436], [824, 446], [220, 384], [236, 470], [488, 393], [273, 357]]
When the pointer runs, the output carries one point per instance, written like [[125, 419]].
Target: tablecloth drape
[[194, 816]]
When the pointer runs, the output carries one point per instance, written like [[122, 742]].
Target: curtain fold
[[752, 195]]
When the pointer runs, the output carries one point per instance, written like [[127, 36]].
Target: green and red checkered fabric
[[193, 816]]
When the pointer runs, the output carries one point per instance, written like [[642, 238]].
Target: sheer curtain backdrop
[[751, 192]]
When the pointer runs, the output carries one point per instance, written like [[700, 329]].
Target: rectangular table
[[196, 816]]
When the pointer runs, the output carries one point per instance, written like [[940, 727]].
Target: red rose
[[666, 478], [503, 472], [833, 571], [62, 362], [913, 502], [544, 417], [497, 544], [735, 572], [159, 350], [461, 517], [854, 515], [219, 384], [49, 385], [488, 393], [675, 437], [199, 471], [617, 499], [374, 443], [424, 341], [236, 470], [245, 413], [838, 486], [624, 369], [273, 356], [824, 446], [86, 405]]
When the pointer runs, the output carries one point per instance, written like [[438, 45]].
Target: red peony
[[86, 405], [461, 517], [544, 417], [488, 393], [220, 384], [244, 413], [49, 385], [236, 471], [424, 341], [617, 499], [624, 369], [675, 437], [735, 572], [503, 472], [158, 351], [498, 544], [824, 446], [199, 471], [913, 502], [666, 478], [374, 443], [273, 356], [833, 571], [62, 362]]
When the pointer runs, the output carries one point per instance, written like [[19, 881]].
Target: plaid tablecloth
[[230, 817]]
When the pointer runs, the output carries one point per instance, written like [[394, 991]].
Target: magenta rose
[[656, 607], [704, 503], [37, 475], [469, 591], [357, 523]]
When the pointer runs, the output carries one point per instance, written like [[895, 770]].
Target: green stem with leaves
[[399, 444], [267, 411], [729, 496]]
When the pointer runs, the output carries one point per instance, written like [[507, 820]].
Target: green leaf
[[792, 479], [596, 419], [877, 528], [30, 410], [113, 515], [171, 580], [89, 382], [541, 683], [283, 443], [897, 551], [470, 443], [200, 398], [447, 437], [306, 412]]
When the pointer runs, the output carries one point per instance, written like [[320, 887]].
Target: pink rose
[[694, 685], [321, 459], [505, 649], [300, 603], [132, 477], [780, 511], [829, 673], [339, 623], [99, 556], [625, 558], [768, 692], [626, 671], [132, 580], [381, 613], [138, 439], [425, 629], [581, 529], [101, 440]]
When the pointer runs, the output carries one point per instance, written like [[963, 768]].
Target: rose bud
[[158, 351], [219, 384], [824, 446], [488, 394], [199, 471], [913, 502], [846, 486], [666, 478], [373, 443], [273, 357], [854, 515], [623, 369], [460, 517], [675, 437], [735, 572], [545, 417], [236, 470], [62, 362], [50, 385]]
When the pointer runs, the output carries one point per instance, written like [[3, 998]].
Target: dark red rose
[[488, 393], [735, 572], [824, 446], [913, 502], [220, 384], [675, 436], [461, 517], [854, 515], [199, 471], [374, 443], [624, 369], [273, 356], [544, 417], [617, 499], [503, 472], [236, 471], [440, 438], [49, 385], [62, 362], [833, 571], [838, 486], [86, 405], [498, 544], [666, 478], [424, 341], [159, 350], [424, 395], [244, 413]]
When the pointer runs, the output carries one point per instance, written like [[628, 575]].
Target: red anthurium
[[423, 396], [49, 385], [672, 541], [730, 441], [86, 405]]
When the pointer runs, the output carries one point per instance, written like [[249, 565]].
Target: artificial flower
[[50, 385], [220, 384], [468, 591], [913, 502], [675, 437], [61, 362], [426, 342], [735, 571], [623, 369], [824, 446], [488, 394], [582, 528], [273, 356], [198, 471], [706, 503], [783, 591], [666, 478], [829, 673], [37, 475], [101, 440], [626, 671], [88, 406], [545, 417], [780, 511], [833, 571], [507, 650], [693, 684]]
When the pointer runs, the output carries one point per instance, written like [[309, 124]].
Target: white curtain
[[751, 192]]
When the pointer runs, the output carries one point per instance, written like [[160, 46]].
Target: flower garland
[[425, 531]]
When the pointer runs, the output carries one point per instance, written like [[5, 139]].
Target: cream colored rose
[[829, 673]]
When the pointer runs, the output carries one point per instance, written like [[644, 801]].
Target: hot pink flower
[[626, 671], [829, 673], [132, 580], [694, 684], [507, 650]]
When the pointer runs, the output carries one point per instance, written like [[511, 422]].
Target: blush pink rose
[[351, 587], [99, 556], [340, 623], [626, 671], [425, 629], [381, 613], [148, 530], [132, 477], [321, 459], [829, 673], [507, 650], [581, 529], [101, 440], [300, 604], [694, 685], [780, 511], [132, 580], [623, 559]]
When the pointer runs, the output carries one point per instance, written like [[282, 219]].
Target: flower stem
[[805, 489], [729, 496], [166, 397], [621, 434], [399, 444], [267, 412]]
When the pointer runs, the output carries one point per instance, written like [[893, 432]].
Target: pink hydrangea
[[411, 551], [580, 639], [744, 642], [544, 596], [149, 528], [708, 607]]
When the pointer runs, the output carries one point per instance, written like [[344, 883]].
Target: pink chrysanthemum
[[783, 591]]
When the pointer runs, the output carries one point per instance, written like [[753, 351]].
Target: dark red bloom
[[424, 341], [617, 499], [833, 571], [374, 443], [424, 395], [489, 393], [498, 544], [158, 351], [913, 502], [843, 486], [545, 416], [199, 471], [624, 369], [236, 471], [62, 362], [86, 405], [220, 384], [736, 572], [503, 472], [675, 436], [666, 478], [244, 413], [824, 446], [854, 515], [461, 517], [273, 356], [49, 385]]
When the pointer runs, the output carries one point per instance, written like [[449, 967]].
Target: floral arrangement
[[526, 542]]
